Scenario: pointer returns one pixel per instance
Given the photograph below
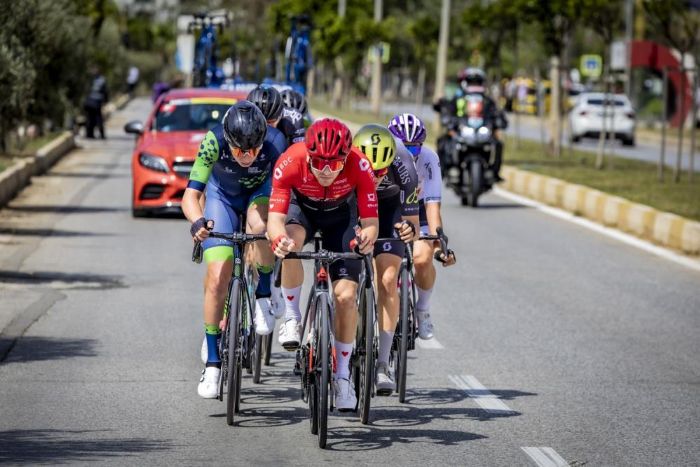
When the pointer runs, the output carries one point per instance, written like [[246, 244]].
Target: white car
[[586, 117]]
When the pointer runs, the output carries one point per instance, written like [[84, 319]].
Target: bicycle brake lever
[[197, 252]]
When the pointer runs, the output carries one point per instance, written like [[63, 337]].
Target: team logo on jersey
[[371, 197], [278, 173], [413, 197], [364, 165]]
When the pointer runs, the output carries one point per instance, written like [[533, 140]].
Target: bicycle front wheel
[[233, 376], [257, 359], [366, 350], [324, 380], [402, 354]]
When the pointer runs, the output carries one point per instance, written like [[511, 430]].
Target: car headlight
[[153, 162], [466, 131]]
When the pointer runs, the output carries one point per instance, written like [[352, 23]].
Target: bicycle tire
[[268, 349], [258, 357], [366, 348], [402, 354], [323, 311], [239, 361], [233, 360]]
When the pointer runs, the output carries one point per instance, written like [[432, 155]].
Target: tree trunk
[[554, 108], [420, 88], [600, 155], [681, 126]]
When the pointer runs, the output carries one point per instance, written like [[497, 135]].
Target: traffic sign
[[591, 65]]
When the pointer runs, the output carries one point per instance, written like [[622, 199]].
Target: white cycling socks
[[386, 338], [423, 302], [342, 356], [291, 303]]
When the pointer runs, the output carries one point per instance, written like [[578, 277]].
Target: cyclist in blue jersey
[[412, 132], [233, 166]]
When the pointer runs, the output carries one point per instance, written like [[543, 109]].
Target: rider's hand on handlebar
[[365, 241], [200, 229], [406, 231], [282, 246], [446, 260]]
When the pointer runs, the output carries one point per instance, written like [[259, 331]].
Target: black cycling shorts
[[337, 227], [389, 214]]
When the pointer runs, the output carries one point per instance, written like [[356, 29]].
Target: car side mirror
[[134, 127]]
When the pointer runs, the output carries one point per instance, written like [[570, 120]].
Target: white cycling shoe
[[290, 334], [264, 319], [385, 380], [345, 399], [208, 387], [425, 325]]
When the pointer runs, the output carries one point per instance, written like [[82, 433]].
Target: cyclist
[[270, 102], [293, 121], [397, 183], [233, 166], [322, 185], [411, 131]]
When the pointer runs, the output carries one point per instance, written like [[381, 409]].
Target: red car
[[167, 145]]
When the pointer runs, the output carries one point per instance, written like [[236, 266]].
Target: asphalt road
[[529, 128], [549, 337]]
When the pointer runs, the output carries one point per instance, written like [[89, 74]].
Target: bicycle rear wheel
[[268, 349], [402, 354], [233, 375], [325, 378]]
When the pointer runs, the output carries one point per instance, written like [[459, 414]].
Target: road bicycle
[[315, 359], [237, 344]]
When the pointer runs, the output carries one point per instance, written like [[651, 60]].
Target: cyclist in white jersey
[[411, 131]]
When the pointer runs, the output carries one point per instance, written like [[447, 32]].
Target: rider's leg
[[263, 259], [293, 274], [345, 291], [498, 159], [425, 281], [388, 302]]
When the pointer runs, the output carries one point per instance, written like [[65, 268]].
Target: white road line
[[431, 344], [545, 457], [610, 232], [482, 396]]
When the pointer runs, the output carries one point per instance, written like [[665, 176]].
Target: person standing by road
[[96, 98], [132, 79]]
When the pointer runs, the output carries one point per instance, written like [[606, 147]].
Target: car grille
[[179, 194], [182, 169], [152, 191]]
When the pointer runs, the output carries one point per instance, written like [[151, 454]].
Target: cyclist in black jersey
[[397, 194]]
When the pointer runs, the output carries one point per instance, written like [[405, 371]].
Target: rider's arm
[[280, 197], [207, 156]]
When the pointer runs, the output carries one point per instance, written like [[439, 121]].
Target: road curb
[[663, 228], [18, 175]]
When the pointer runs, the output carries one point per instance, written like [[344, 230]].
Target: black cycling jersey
[[291, 124]]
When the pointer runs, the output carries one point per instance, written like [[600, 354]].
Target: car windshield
[[599, 101], [190, 114]]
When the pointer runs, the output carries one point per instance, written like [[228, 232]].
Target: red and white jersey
[[293, 174]]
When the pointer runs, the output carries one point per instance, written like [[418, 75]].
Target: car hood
[[180, 145]]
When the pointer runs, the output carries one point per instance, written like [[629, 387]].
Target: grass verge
[[28, 150], [630, 179]]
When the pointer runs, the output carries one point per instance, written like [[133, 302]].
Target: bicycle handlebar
[[238, 237]]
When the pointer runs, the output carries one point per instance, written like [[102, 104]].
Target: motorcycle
[[469, 174]]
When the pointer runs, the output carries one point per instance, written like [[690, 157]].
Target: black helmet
[[244, 126], [294, 100], [268, 100], [471, 77]]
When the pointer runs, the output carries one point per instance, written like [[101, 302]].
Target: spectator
[[132, 80], [96, 98]]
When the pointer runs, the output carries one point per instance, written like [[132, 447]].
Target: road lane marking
[[545, 457], [610, 232], [430, 344], [482, 396]]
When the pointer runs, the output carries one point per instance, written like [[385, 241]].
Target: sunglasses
[[334, 165], [414, 149], [381, 172], [238, 152]]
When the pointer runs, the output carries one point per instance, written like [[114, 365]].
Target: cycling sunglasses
[[381, 172], [334, 165], [238, 152], [414, 148]]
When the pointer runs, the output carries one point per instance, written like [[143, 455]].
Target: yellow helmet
[[377, 143]]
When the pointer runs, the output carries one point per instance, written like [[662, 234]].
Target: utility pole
[[442, 51], [338, 83], [629, 37], [377, 65]]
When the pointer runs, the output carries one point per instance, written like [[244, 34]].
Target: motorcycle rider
[[472, 83]]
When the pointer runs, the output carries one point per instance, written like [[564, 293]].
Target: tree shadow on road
[[34, 349], [70, 446], [65, 209], [91, 281], [22, 232], [486, 205], [87, 175]]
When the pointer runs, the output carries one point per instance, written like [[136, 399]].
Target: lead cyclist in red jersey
[[323, 184]]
